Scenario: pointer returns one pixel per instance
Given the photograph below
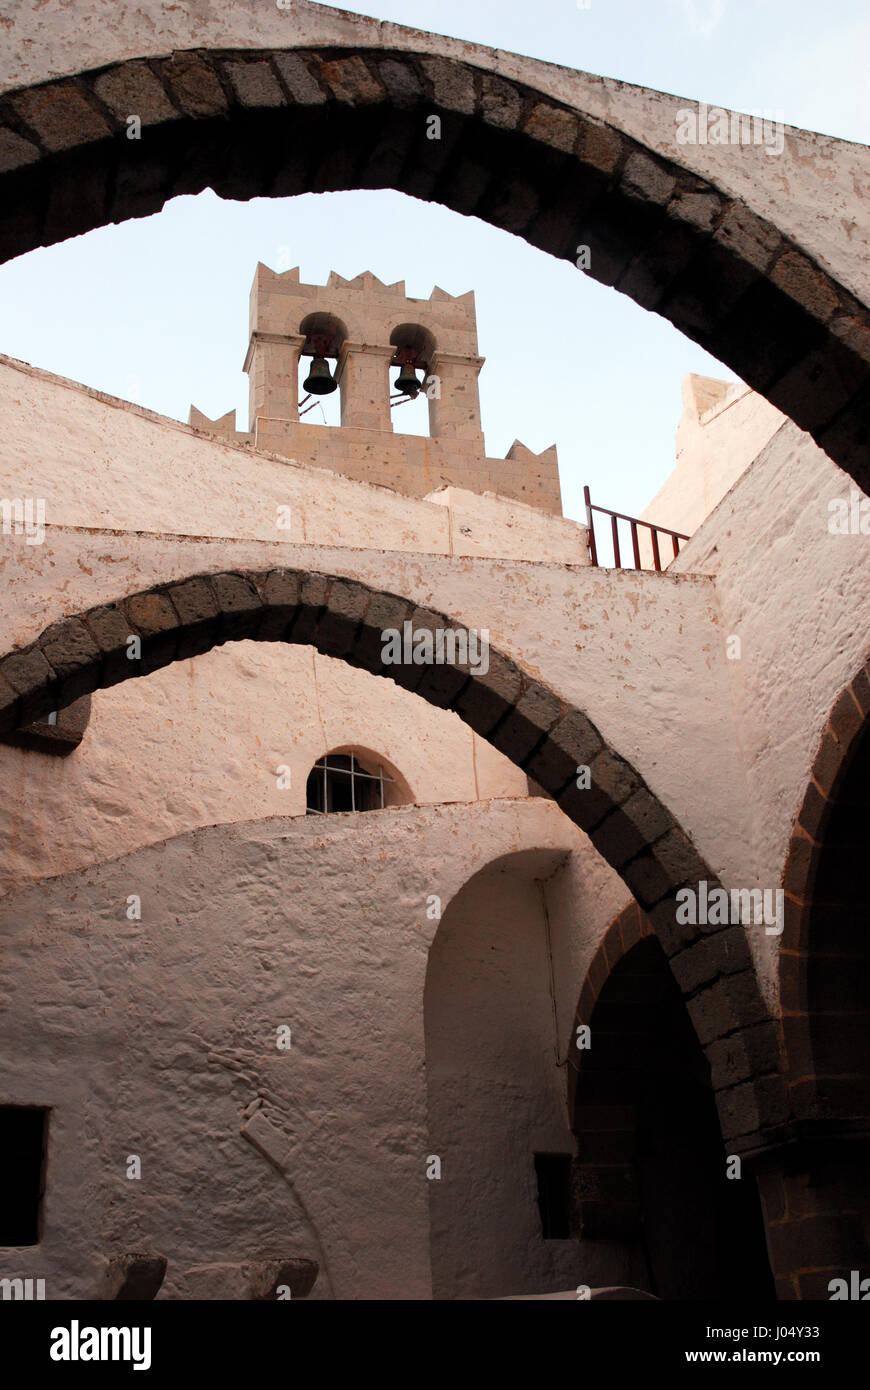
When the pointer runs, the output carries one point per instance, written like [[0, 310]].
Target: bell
[[320, 381], [406, 381]]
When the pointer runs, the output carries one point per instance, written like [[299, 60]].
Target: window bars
[[338, 782]]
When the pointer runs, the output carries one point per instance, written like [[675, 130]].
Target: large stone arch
[[523, 718], [345, 104]]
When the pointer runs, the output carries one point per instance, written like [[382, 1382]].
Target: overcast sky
[[156, 310]]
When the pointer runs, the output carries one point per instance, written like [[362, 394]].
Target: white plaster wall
[[496, 1080], [629, 648], [809, 191], [157, 1038], [100, 463], [798, 597], [200, 743], [714, 447]]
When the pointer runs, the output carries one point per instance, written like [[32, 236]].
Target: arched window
[[351, 781]]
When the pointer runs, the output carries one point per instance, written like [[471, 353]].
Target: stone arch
[[520, 716], [650, 1172], [267, 121], [823, 952]]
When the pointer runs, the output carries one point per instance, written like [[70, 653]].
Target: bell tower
[[377, 348]]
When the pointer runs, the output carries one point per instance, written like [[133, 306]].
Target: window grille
[[339, 782]]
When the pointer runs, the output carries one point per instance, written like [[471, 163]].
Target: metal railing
[[634, 522]]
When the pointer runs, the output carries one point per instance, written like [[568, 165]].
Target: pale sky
[[156, 310]]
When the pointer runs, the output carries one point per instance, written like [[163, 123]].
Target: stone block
[[644, 875], [10, 701], [346, 607], [313, 590], [614, 776], [725, 953], [680, 860], [255, 84], [617, 839], [199, 615], [487, 698], [29, 674], [552, 125], [572, 743], [74, 656], [279, 591], [240, 605], [111, 628], [586, 807], [601, 147], [154, 618], [452, 85], [60, 116], [534, 714], [401, 81], [302, 86], [131, 89], [15, 151], [351, 82], [194, 85], [748, 236], [729, 1003], [805, 282], [647, 178], [500, 102]]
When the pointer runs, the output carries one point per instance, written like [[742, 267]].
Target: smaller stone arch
[[323, 330], [820, 920], [651, 1171]]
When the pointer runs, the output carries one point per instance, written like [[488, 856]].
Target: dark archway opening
[[838, 963], [652, 1167]]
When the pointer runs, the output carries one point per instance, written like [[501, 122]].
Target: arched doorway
[[652, 1170]]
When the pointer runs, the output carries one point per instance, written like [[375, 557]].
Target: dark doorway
[[22, 1163], [702, 1233]]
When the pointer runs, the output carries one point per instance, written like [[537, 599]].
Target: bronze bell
[[320, 381], [406, 381]]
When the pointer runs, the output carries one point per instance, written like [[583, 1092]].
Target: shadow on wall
[[496, 1095]]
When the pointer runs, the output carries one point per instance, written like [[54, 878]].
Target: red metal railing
[[634, 522]]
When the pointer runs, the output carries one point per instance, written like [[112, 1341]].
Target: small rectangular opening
[[553, 1172], [23, 1131]]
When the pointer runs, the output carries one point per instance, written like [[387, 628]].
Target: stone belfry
[[365, 328]]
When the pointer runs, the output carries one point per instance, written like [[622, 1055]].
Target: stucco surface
[[201, 743], [158, 1038], [798, 597], [714, 447], [103, 463], [618, 645]]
